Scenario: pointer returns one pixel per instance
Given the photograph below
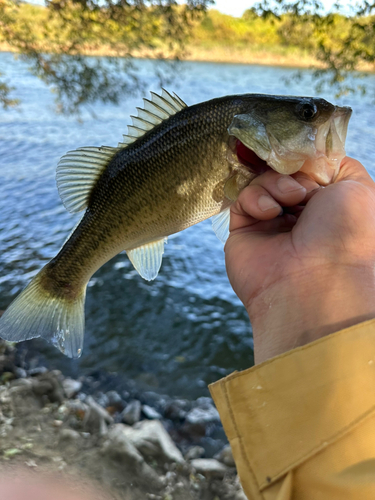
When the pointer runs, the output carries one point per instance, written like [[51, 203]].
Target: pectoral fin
[[220, 224], [231, 188], [147, 258]]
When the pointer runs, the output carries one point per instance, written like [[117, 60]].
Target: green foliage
[[343, 44], [54, 38]]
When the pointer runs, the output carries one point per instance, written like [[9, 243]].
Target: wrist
[[309, 305]]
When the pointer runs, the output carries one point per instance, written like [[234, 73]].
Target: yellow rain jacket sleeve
[[302, 425]]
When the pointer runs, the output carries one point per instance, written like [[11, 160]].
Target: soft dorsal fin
[[147, 258], [78, 170], [77, 173]]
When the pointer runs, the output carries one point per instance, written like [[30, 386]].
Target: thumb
[[351, 169]]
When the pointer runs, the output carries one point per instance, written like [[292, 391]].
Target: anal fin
[[147, 258]]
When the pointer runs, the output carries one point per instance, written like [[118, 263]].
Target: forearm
[[300, 309]]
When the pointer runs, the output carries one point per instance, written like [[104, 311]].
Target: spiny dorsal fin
[[156, 110], [79, 170], [77, 173]]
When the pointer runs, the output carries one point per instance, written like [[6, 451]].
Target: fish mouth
[[322, 163], [249, 159], [330, 147]]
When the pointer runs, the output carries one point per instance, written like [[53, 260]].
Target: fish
[[176, 166]]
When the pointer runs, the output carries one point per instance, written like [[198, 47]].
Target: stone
[[71, 387], [39, 370], [115, 400], [151, 413], [69, 435], [203, 415], [23, 399], [20, 372], [96, 418], [200, 420], [176, 409], [194, 452], [225, 456], [120, 449], [47, 384], [209, 467], [151, 439], [132, 413]]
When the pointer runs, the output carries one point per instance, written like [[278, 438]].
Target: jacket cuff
[[280, 413]]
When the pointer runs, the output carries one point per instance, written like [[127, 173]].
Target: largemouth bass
[[177, 166]]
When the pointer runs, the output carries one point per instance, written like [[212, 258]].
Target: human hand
[[310, 271]]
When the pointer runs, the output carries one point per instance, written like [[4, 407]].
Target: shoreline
[[217, 54], [130, 444]]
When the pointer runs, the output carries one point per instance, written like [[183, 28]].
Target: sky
[[232, 7], [237, 7]]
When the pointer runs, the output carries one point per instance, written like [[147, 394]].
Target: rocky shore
[[133, 445]]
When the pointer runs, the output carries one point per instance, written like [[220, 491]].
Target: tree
[[343, 40], [53, 40]]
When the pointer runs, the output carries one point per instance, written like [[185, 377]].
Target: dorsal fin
[[78, 170], [77, 173], [154, 111]]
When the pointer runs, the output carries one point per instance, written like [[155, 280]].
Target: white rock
[[99, 409], [151, 413], [119, 448], [132, 413], [209, 467], [194, 452], [203, 415], [151, 439], [226, 456], [71, 387]]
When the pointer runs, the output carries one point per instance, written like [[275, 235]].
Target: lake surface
[[185, 329]]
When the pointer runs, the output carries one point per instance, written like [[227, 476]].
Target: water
[[187, 328]]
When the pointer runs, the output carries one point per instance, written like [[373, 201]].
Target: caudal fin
[[38, 312]]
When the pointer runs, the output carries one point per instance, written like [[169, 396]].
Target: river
[[185, 329]]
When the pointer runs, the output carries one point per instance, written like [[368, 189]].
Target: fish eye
[[307, 111]]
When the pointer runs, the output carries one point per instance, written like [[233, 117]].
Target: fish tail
[[44, 309]]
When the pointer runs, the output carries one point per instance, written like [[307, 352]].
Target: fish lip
[[330, 147], [341, 117]]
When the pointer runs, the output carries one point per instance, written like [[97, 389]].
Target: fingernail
[[287, 184], [267, 203], [308, 184]]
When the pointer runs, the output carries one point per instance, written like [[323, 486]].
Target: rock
[[50, 386], [124, 453], [194, 452], [96, 418], [151, 413], [23, 399], [240, 495], [226, 456], [69, 435], [151, 439], [39, 370], [209, 467], [177, 409], [115, 400], [201, 419], [20, 372], [132, 413], [203, 415], [71, 387]]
